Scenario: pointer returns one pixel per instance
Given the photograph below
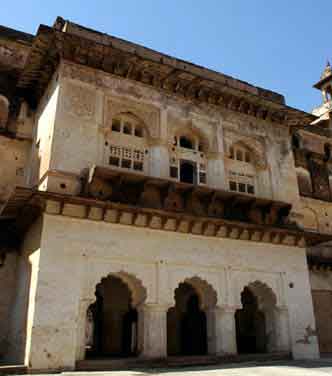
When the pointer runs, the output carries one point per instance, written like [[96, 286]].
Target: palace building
[[154, 209]]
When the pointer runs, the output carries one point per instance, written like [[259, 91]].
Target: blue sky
[[279, 45]]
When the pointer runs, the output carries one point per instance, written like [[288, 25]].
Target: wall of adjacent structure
[[41, 150], [22, 307], [8, 274], [89, 98], [77, 254], [14, 155]]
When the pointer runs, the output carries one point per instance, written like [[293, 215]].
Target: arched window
[[188, 159], [241, 170], [126, 145]]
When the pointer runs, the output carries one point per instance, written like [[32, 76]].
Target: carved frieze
[[80, 101]]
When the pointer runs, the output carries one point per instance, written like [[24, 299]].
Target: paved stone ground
[[290, 368]]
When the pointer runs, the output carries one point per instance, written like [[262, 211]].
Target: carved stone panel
[[80, 101]]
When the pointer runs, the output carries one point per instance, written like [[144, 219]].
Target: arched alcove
[[187, 320], [126, 143], [188, 153], [112, 319], [256, 322]]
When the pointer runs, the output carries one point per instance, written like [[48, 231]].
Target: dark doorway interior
[[188, 172], [185, 142], [186, 324], [250, 325], [113, 321]]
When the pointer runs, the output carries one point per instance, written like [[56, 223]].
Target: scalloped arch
[[135, 285], [264, 294], [207, 294]]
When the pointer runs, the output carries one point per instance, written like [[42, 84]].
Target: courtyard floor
[[287, 368]]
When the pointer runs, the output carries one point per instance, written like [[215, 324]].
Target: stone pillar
[[152, 330], [225, 331], [282, 329], [159, 160], [211, 330], [216, 171], [81, 328]]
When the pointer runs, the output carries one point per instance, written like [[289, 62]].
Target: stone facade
[[144, 193]]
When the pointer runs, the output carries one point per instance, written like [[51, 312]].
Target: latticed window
[[240, 182], [128, 158], [124, 124], [126, 146], [240, 154], [241, 170]]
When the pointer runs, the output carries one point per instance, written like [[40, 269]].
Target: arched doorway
[[186, 324], [255, 322], [112, 321]]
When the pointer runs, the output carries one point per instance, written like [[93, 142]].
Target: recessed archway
[[186, 324], [112, 320], [188, 321], [256, 320]]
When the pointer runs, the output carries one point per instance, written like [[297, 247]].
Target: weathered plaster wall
[[21, 318], [8, 275], [315, 215], [14, 157], [77, 254], [321, 280], [88, 99], [41, 150]]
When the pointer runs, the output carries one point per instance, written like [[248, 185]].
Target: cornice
[[165, 74]]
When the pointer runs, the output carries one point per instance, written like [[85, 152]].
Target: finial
[[327, 71]]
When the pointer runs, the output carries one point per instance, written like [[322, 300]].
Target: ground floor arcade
[[92, 290]]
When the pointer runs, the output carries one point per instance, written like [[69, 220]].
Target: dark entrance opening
[[250, 325], [185, 142], [112, 321], [188, 172], [186, 324]]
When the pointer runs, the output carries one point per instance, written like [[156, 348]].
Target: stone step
[[13, 369], [176, 361]]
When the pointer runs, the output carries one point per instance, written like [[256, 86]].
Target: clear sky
[[279, 45]]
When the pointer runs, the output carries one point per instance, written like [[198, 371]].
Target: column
[[152, 330], [159, 159], [211, 330], [282, 329], [216, 171], [225, 337], [81, 328]]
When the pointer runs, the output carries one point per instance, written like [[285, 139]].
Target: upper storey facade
[[84, 99]]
